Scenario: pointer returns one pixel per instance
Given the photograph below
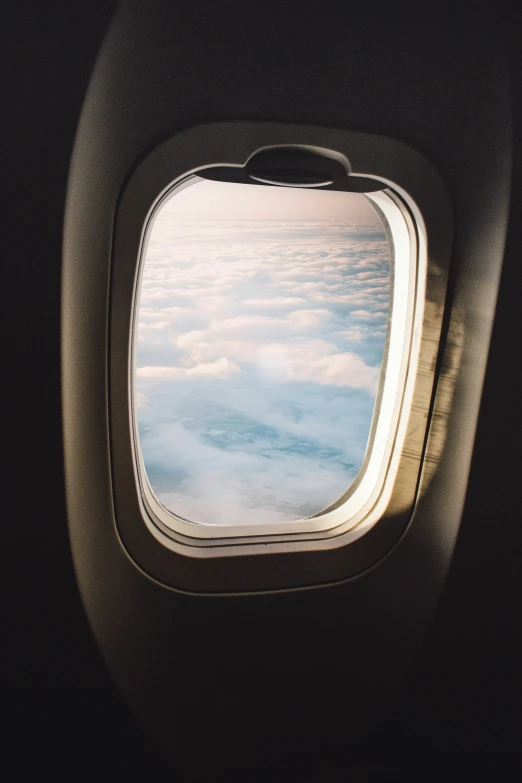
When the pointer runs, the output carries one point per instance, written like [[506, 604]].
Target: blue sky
[[260, 336]]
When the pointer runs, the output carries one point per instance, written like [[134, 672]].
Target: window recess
[[280, 306]]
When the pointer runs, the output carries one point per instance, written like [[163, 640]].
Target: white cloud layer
[[221, 368], [258, 359]]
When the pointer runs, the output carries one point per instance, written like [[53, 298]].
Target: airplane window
[[262, 320]]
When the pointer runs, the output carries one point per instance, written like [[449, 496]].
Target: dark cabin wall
[[466, 689], [61, 713], [47, 52]]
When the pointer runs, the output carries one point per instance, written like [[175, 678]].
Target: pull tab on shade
[[293, 168]]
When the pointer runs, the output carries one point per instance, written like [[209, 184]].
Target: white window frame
[[359, 511], [416, 208]]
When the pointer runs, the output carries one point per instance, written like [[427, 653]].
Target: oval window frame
[[416, 195]]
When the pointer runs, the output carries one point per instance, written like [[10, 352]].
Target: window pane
[[261, 329]]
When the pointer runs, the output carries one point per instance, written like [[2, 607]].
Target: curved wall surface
[[221, 677]]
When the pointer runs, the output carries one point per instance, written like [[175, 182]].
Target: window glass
[[261, 327]]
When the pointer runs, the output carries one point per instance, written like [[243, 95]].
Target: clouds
[[317, 361], [221, 368], [309, 319], [258, 359]]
